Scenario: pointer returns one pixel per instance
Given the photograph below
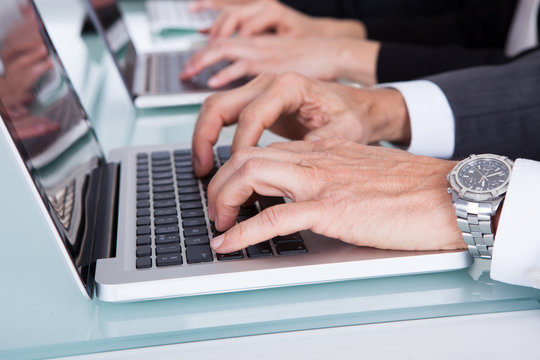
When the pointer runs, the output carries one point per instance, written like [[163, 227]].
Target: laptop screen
[[47, 123], [107, 18]]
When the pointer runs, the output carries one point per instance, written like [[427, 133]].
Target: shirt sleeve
[[516, 250], [431, 117]]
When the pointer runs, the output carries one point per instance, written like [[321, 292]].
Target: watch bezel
[[479, 196]]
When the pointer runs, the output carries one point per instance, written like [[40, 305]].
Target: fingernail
[[216, 242], [213, 82]]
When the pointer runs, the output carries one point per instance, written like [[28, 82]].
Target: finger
[[225, 25], [218, 110], [215, 52], [274, 221], [294, 146], [237, 161], [282, 97], [232, 72], [257, 24]]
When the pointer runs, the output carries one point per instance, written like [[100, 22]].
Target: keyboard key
[[143, 181], [142, 174], [196, 230], [189, 213], [182, 152], [198, 221], [143, 240], [143, 212], [164, 203], [197, 240], [165, 188], [231, 256], [159, 163], [162, 182], [167, 239], [224, 153], [187, 170], [188, 176], [184, 163], [165, 211], [144, 263], [190, 197], [141, 156], [167, 229], [168, 260], [188, 190], [143, 188], [190, 205], [143, 196], [187, 182], [142, 221], [291, 248], [259, 250], [164, 196], [198, 254], [294, 237], [144, 230], [143, 251], [162, 176], [168, 249], [165, 220], [160, 155], [160, 169]]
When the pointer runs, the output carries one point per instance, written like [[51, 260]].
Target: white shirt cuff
[[432, 119], [516, 251]]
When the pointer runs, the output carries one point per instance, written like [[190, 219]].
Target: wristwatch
[[478, 185]]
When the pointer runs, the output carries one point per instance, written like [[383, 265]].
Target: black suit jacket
[[496, 108], [423, 37]]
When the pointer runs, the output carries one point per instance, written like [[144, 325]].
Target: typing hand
[[298, 108], [364, 195], [320, 58]]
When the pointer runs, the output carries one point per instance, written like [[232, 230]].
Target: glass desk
[[44, 315]]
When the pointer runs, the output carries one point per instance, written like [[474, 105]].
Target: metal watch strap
[[474, 220]]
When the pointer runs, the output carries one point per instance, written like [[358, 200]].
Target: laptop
[[177, 15], [151, 79], [134, 226]]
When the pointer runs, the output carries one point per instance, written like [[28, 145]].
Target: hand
[[363, 195], [198, 5], [263, 16], [321, 58], [298, 108]]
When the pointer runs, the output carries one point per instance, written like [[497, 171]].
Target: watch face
[[482, 175]]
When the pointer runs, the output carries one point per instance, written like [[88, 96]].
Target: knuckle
[[242, 155], [288, 78], [251, 166], [269, 217]]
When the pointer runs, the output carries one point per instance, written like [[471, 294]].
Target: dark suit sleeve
[[496, 108], [400, 62]]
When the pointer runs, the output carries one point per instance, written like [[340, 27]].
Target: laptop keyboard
[[63, 202], [172, 228], [177, 14]]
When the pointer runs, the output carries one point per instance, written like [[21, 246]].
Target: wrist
[[388, 116], [330, 27], [356, 60]]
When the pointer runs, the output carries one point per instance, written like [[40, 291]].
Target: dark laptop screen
[[46, 122], [107, 18]]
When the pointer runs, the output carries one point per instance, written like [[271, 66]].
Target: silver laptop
[[177, 15], [152, 79], [135, 225]]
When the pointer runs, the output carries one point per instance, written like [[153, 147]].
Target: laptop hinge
[[107, 213]]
